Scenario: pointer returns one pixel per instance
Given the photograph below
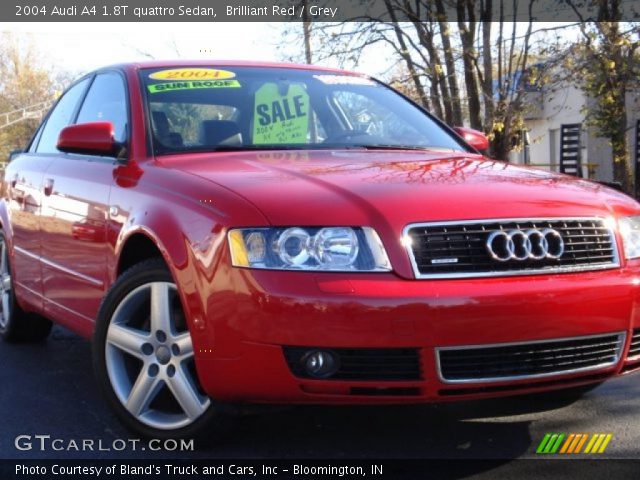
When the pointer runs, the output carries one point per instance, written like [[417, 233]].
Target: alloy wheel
[[5, 285], [149, 358]]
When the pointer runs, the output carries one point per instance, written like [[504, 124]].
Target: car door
[[75, 213], [24, 176]]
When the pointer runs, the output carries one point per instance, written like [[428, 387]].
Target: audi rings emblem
[[521, 245]]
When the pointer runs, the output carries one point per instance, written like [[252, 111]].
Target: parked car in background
[[230, 233]]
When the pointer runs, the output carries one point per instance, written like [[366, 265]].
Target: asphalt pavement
[[49, 389]]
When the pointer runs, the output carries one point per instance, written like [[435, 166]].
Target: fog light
[[320, 364]]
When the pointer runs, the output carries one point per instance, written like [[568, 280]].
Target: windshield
[[236, 108]]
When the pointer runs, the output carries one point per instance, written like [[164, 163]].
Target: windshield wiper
[[400, 147], [241, 148], [320, 146]]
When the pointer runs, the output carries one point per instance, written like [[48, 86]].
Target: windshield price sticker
[[192, 74], [168, 87], [280, 118]]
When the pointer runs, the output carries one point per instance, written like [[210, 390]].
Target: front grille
[[459, 249], [529, 359], [634, 349], [362, 363]]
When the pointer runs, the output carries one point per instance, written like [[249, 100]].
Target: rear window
[[226, 108]]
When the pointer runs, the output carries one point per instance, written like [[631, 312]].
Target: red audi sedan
[[232, 233]]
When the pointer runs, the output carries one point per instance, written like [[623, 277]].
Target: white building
[[554, 118]]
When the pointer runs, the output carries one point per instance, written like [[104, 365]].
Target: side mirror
[[94, 138], [476, 139]]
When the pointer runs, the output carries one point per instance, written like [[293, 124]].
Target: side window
[[106, 101], [60, 117], [36, 140]]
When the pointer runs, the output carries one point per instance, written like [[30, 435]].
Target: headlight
[[629, 228], [328, 248]]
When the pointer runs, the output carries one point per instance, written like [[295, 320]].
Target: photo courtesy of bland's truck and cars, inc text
[[272, 239]]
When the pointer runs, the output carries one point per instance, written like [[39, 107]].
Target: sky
[[84, 46], [81, 47]]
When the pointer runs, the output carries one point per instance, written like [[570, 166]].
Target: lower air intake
[[529, 359], [361, 363]]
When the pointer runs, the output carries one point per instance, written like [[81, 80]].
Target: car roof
[[227, 63]]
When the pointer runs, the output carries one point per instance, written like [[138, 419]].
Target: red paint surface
[[185, 204], [94, 137]]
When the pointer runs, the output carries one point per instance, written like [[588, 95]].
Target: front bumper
[[252, 315]]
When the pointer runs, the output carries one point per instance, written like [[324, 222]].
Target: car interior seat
[[220, 132], [162, 131]]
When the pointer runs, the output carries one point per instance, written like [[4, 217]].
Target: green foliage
[[607, 69]]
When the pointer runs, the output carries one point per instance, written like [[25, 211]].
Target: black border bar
[[288, 10], [310, 469]]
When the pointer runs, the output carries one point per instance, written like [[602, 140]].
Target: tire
[[143, 360], [16, 325]]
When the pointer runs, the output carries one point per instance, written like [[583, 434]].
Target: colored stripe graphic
[[556, 445], [543, 443], [591, 443], [550, 443], [605, 443], [567, 443], [581, 442], [573, 443], [552, 440], [599, 443]]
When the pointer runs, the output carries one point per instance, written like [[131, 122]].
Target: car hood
[[391, 189]]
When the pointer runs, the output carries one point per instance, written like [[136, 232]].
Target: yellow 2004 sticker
[[280, 118], [170, 86], [192, 74]]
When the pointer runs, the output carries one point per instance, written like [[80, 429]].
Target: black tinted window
[[60, 117], [106, 101]]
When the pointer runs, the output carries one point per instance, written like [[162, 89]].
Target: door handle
[[48, 186]]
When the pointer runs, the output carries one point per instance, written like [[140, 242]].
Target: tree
[[465, 10], [608, 68], [456, 108], [438, 41], [23, 83]]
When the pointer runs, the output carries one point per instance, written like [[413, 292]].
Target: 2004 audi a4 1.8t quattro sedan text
[[265, 233]]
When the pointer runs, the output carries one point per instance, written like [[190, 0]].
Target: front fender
[[186, 218], [191, 242]]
